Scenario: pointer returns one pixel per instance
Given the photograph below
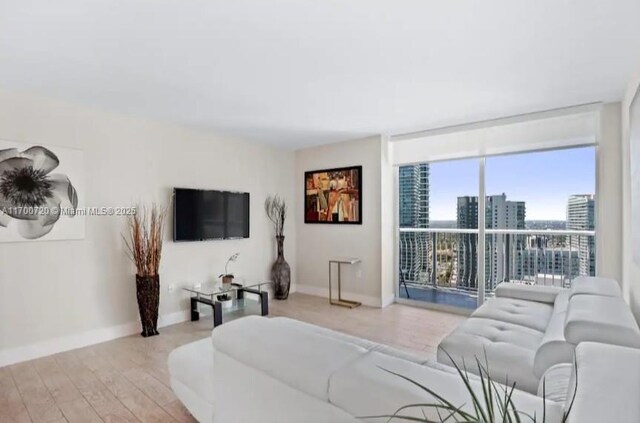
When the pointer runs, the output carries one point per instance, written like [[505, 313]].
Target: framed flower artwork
[[41, 191]]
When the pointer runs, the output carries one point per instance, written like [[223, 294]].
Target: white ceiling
[[302, 72]]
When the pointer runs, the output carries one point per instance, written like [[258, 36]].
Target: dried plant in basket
[[144, 246]]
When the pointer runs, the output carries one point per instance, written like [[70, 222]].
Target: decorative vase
[[281, 273], [148, 294]]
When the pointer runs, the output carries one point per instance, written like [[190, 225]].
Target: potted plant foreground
[[490, 401], [144, 245], [227, 279]]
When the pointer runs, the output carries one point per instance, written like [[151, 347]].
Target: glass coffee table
[[212, 294]]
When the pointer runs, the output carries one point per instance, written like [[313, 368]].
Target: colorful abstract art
[[333, 196]]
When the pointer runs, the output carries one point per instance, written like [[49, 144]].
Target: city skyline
[[544, 180], [507, 257]]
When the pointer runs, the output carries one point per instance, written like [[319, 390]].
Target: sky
[[543, 180]]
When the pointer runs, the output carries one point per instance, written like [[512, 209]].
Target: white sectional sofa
[[526, 330], [258, 369]]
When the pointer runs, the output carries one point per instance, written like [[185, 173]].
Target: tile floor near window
[[126, 380]]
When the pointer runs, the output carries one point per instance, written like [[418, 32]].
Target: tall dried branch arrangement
[[276, 209], [144, 239]]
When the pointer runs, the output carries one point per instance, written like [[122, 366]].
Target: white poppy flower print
[[30, 193]]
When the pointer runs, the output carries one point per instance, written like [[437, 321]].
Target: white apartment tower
[[499, 249], [581, 217], [502, 214]]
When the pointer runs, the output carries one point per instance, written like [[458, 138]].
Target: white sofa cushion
[[554, 384], [520, 291], [191, 370], [245, 394], [365, 388], [510, 350], [425, 359], [554, 348], [601, 319], [283, 350], [589, 285], [608, 384], [530, 314]]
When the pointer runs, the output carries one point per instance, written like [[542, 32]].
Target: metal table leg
[[340, 301], [215, 305]]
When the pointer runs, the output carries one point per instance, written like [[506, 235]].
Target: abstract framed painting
[[333, 196], [41, 191]]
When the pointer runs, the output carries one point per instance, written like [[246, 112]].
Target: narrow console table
[[207, 294], [341, 301]]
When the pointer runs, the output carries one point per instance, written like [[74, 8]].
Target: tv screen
[[200, 215]]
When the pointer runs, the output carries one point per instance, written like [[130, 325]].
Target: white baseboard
[[388, 300], [174, 318], [324, 292], [71, 342]]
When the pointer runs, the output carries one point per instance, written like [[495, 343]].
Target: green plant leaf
[[431, 392], [465, 378], [575, 391], [495, 404]]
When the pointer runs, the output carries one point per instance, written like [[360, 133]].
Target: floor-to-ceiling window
[[538, 225], [436, 233]]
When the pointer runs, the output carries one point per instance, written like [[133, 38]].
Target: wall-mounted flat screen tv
[[200, 215]]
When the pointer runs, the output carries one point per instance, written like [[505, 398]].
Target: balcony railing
[[447, 259]]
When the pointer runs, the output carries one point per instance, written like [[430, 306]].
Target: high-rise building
[[414, 196], [414, 213], [581, 217], [500, 248], [467, 251], [499, 214]]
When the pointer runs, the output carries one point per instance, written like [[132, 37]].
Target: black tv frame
[[173, 199]]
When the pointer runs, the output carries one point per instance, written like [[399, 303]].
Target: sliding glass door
[[432, 236]]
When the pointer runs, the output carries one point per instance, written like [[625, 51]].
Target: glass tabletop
[[210, 289]]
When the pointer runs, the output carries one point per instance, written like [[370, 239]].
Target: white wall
[[631, 279], [62, 294], [609, 198], [317, 243], [389, 204]]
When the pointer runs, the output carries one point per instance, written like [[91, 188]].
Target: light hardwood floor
[[126, 380]]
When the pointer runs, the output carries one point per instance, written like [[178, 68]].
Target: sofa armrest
[[538, 293], [590, 285], [603, 319], [607, 385]]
